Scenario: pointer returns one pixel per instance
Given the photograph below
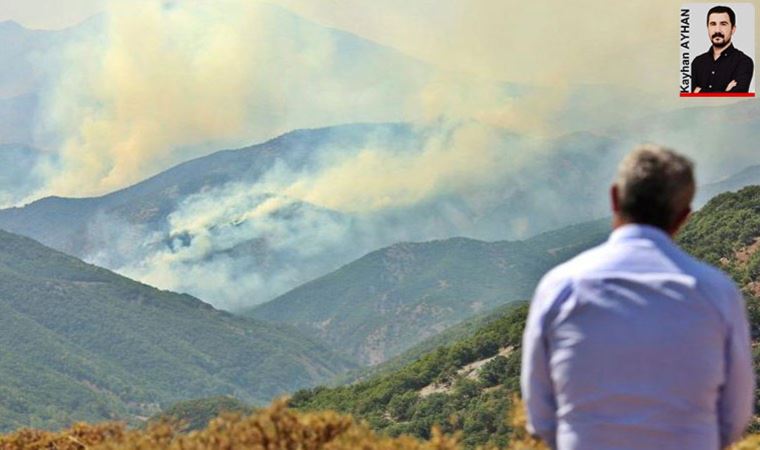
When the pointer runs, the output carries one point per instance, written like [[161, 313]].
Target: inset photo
[[717, 44]]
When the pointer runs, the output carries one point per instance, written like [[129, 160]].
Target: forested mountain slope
[[78, 342], [387, 301]]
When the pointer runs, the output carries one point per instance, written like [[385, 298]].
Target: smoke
[[119, 107], [163, 82], [581, 42], [721, 139], [308, 215], [449, 162], [160, 82], [242, 243], [239, 245]]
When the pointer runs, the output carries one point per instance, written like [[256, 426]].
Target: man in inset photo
[[723, 68]]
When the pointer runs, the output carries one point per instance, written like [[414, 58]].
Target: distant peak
[[10, 25], [88, 22]]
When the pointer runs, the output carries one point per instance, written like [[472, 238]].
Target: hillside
[[468, 385], [746, 177], [191, 415], [381, 304], [389, 300], [472, 380], [726, 233], [78, 342], [459, 332]]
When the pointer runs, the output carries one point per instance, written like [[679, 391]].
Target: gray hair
[[655, 185]]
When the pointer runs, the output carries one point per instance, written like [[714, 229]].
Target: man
[[634, 344], [722, 68]]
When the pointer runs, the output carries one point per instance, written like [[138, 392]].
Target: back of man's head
[[654, 186]]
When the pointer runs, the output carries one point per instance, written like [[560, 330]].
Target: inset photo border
[[717, 52]]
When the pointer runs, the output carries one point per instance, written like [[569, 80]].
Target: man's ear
[[614, 199]]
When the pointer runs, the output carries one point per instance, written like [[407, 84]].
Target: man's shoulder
[[557, 283], [718, 288], [713, 285], [743, 57], [703, 58], [712, 279], [706, 274], [582, 263], [604, 256]]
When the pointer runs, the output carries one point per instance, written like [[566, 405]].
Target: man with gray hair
[[634, 344]]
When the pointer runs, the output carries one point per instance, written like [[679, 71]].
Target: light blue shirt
[[636, 345]]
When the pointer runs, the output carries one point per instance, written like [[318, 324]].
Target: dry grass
[[274, 428]]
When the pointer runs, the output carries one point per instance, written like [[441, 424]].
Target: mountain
[[468, 383], [103, 230], [26, 56], [387, 301], [459, 332], [20, 46], [150, 202], [228, 213], [722, 139], [81, 343], [466, 386], [726, 233], [746, 177], [199, 216]]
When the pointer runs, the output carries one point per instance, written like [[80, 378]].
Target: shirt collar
[[640, 231]]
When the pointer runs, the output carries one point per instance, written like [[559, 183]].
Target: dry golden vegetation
[[273, 428]]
